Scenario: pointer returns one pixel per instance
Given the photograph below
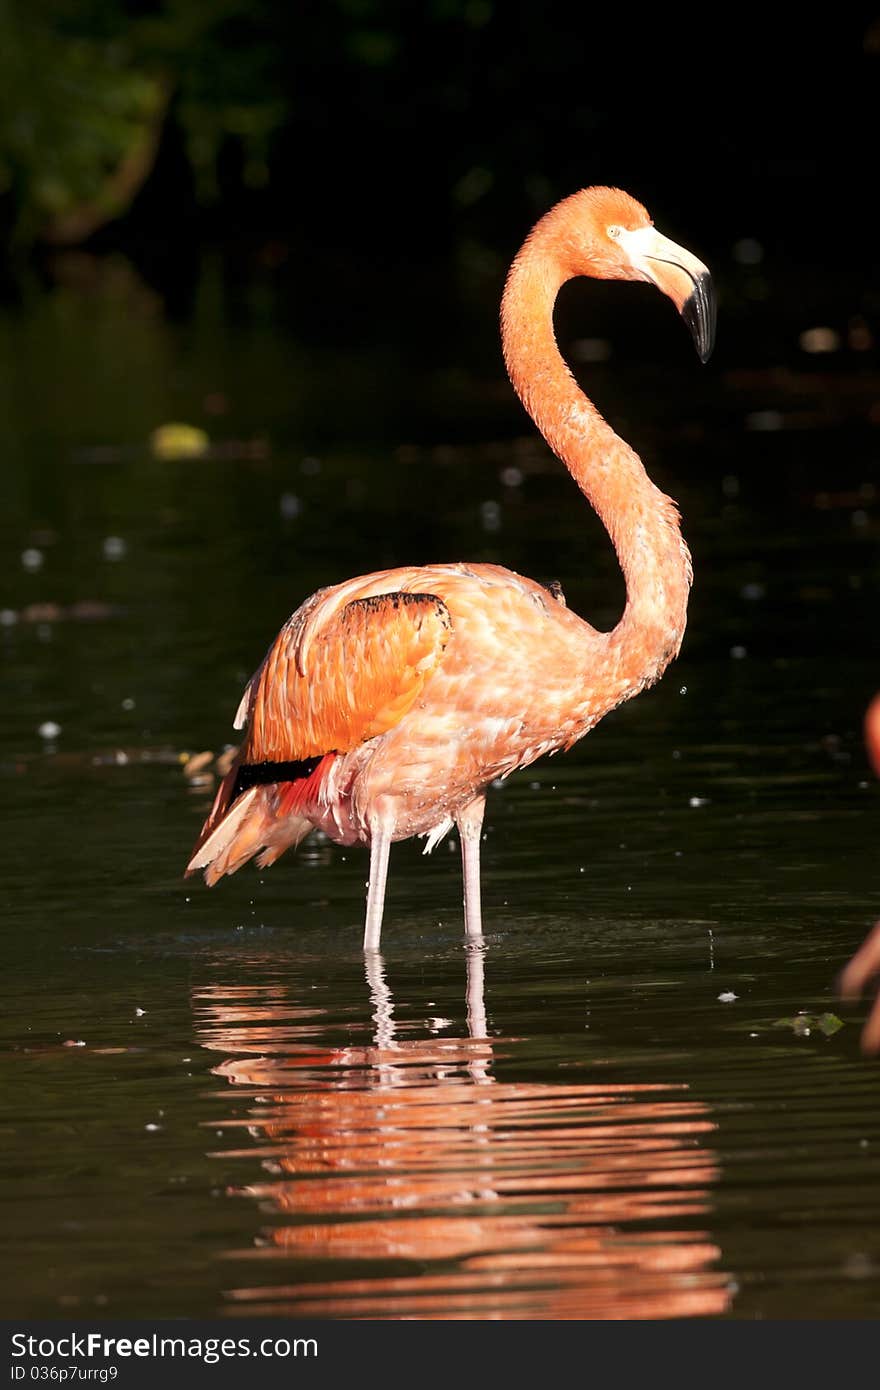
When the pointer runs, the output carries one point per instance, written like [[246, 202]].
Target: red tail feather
[[268, 818], [297, 798]]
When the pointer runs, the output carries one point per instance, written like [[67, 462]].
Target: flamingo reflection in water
[[532, 1200]]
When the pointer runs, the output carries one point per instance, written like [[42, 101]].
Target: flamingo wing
[[335, 676], [328, 685]]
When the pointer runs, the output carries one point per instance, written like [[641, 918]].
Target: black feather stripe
[[264, 774]]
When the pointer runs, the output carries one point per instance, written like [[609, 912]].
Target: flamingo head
[[609, 236]]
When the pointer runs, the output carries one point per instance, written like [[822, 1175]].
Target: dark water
[[213, 1105]]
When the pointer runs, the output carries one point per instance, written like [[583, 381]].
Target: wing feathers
[[338, 673], [362, 670]]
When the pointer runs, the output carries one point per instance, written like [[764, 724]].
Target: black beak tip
[[698, 312]]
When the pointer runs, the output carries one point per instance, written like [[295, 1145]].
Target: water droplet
[[113, 548], [748, 251], [822, 339], [765, 420], [590, 350], [752, 592]]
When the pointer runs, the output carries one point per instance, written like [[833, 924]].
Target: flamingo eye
[[614, 231]]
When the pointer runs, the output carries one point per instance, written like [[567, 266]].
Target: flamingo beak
[[679, 275]]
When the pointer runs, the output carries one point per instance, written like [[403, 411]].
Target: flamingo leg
[[380, 847], [864, 965], [470, 825], [476, 1004]]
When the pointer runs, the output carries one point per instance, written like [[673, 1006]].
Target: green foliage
[[803, 1024], [84, 89]]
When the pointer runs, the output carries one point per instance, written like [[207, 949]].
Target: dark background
[[286, 227], [352, 137]]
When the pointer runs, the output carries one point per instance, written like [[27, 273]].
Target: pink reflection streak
[[411, 1150]]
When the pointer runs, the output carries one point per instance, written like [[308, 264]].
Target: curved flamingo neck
[[642, 522]]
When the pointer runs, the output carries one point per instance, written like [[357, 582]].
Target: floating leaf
[[829, 1024], [176, 441], [803, 1024]]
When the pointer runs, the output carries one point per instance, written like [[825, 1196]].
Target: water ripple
[[403, 1178]]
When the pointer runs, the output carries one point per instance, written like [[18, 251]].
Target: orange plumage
[[343, 670], [387, 704]]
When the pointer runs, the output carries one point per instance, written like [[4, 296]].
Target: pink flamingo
[[865, 964], [387, 704]]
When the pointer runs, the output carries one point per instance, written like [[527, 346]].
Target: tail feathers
[[216, 814], [295, 830], [234, 841], [295, 798], [265, 820], [251, 826]]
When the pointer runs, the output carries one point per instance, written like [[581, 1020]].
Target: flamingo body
[[422, 704], [388, 704]]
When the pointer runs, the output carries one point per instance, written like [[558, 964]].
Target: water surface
[[213, 1105]]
